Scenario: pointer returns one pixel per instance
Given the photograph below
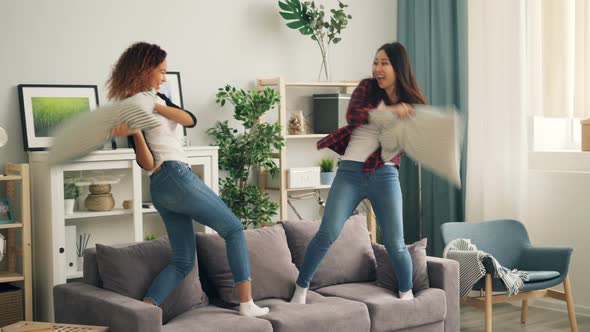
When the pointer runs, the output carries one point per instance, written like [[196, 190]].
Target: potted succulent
[[326, 171], [71, 192]]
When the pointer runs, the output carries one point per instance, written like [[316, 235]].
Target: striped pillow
[[136, 111]]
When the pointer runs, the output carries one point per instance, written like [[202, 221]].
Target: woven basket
[[11, 306], [99, 202], [99, 189]]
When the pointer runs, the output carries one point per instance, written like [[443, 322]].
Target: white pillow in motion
[[91, 130], [433, 137]]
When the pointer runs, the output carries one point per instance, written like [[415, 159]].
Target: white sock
[[409, 295], [251, 309], [300, 295]]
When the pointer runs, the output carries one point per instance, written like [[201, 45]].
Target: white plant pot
[[69, 206]]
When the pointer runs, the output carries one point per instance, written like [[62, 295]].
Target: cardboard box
[[585, 134], [303, 177]]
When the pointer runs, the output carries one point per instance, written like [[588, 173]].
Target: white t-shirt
[[163, 142], [364, 140]]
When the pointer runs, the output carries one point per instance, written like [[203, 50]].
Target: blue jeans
[[181, 197], [349, 188]]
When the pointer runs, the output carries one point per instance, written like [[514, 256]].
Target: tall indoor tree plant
[[310, 19], [241, 152]]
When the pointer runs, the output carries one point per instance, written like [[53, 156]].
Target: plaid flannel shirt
[[366, 96]]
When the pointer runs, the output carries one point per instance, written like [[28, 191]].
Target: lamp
[[3, 137], [2, 246], [3, 141]]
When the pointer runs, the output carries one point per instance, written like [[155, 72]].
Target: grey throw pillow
[[273, 275], [130, 270], [350, 258], [386, 277]]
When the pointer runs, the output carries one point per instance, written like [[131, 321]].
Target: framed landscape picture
[[45, 107]]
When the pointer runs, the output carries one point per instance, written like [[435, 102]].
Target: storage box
[[11, 304], [329, 112], [585, 134], [302, 177]]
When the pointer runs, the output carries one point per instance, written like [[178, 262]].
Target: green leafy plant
[[310, 19], [327, 165], [149, 237], [71, 191], [240, 152]]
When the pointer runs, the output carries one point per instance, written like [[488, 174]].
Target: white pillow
[[433, 137], [91, 130]]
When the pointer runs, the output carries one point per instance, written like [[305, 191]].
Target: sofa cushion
[[273, 274], [214, 319], [387, 311], [318, 314], [386, 276], [349, 259], [130, 270]]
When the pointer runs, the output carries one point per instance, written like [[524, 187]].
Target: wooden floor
[[507, 319]]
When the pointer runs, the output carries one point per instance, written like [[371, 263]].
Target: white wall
[[211, 43], [559, 187]]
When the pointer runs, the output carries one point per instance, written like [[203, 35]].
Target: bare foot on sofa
[[300, 295], [252, 310]]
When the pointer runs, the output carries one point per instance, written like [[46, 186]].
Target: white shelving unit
[[282, 86], [107, 227]]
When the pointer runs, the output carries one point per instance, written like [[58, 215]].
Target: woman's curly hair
[[132, 72]]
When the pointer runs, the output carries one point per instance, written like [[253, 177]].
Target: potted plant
[[311, 20], [326, 171], [243, 151], [71, 191]]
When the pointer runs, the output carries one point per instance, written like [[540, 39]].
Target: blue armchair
[[508, 241]]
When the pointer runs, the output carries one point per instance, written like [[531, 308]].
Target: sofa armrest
[[543, 258], [444, 274], [81, 303]]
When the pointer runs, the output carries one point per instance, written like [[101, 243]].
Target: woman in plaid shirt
[[362, 173]]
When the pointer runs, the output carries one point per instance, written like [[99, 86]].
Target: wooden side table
[[51, 327]]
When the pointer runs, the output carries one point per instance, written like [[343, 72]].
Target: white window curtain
[[558, 53], [497, 135]]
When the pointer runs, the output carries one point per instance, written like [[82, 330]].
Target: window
[[558, 54], [554, 134]]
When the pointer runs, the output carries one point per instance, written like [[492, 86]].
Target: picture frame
[[6, 211], [172, 89], [46, 106]]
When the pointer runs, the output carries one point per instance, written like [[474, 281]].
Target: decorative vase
[[326, 178], [325, 75], [69, 206], [80, 263], [103, 202], [99, 189]]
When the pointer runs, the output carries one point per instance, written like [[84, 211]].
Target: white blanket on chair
[[471, 268]]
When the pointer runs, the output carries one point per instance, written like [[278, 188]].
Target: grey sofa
[[350, 306]]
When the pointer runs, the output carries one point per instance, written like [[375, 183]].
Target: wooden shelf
[[322, 84], [11, 276], [11, 225], [309, 188], [275, 81], [305, 136], [94, 214], [149, 210], [10, 177], [75, 275]]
